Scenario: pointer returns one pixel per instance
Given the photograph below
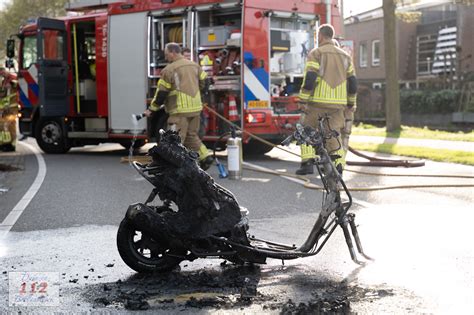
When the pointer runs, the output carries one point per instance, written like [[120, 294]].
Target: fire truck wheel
[[256, 148], [50, 136], [142, 253]]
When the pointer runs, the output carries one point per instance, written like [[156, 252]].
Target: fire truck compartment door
[[52, 67], [127, 70]]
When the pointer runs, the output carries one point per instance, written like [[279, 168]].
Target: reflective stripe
[[203, 152], [322, 91], [312, 64], [179, 100], [5, 102], [325, 94], [307, 152], [153, 107], [327, 101], [350, 71], [342, 160], [164, 84], [256, 82], [5, 137], [186, 103], [203, 75], [304, 96], [341, 91], [351, 100]]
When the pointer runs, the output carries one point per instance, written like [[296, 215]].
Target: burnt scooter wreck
[[201, 219]]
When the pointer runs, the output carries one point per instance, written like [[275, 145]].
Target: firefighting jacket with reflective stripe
[[182, 81], [327, 73]]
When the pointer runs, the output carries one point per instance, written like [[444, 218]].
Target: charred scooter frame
[[145, 249]]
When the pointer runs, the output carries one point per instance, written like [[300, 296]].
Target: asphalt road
[[420, 239]]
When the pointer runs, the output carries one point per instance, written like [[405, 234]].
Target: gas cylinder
[[234, 156]]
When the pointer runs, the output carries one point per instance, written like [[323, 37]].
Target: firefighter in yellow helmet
[[179, 91], [329, 88]]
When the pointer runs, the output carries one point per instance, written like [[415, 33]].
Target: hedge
[[428, 101]]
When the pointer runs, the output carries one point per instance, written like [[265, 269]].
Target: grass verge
[[413, 132], [440, 155]]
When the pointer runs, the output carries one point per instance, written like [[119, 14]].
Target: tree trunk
[[392, 91]]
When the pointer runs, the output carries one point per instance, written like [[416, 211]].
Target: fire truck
[[81, 77]]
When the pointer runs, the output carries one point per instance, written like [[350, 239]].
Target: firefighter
[[349, 112], [179, 91], [202, 124], [8, 110], [187, 53], [329, 87], [347, 129]]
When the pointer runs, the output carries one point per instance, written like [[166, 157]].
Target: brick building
[[435, 41]]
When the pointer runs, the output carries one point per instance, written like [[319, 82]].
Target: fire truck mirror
[[10, 48]]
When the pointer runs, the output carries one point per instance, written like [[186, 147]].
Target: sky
[[356, 6]]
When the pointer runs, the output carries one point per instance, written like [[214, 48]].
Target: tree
[[17, 12], [392, 90]]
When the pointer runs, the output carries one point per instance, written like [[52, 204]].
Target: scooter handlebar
[[310, 136], [297, 136]]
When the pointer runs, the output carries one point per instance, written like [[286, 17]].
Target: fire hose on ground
[[372, 161]]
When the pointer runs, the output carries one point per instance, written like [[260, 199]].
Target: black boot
[[306, 168], [206, 163]]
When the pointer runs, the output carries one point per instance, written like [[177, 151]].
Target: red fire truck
[[81, 77]]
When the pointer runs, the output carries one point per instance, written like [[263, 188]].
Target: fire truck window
[[53, 45], [29, 51]]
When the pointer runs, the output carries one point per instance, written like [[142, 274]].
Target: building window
[[363, 55], [377, 85], [425, 53], [375, 53]]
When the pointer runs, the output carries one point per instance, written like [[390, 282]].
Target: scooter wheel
[[142, 253]]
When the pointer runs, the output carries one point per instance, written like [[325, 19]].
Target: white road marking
[[302, 182], [17, 211]]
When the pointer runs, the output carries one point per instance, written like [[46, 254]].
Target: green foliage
[[428, 101], [17, 12]]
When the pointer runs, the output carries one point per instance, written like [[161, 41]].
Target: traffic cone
[[233, 113]]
